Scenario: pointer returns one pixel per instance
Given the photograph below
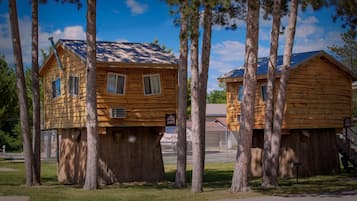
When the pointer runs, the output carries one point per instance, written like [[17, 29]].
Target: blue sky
[[147, 20]]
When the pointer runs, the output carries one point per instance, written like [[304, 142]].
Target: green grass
[[216, 186]]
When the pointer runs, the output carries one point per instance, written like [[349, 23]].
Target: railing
[[350, 136]]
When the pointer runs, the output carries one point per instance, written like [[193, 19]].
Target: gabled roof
[[297, 60], [122, 52], [216, 110], [119, 52]]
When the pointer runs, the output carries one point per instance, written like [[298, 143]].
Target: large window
[[240, 93], [264, 92], [116, 83], [73, 85], [152, 84], [56, 88]]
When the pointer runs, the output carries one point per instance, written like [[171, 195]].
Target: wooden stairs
[[347, 147]]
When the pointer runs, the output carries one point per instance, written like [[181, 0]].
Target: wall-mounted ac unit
[[117, 113]]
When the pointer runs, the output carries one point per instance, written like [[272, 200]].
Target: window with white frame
[[56, 88], [152, 84], [73, 87], [116, 83], [240, 93]]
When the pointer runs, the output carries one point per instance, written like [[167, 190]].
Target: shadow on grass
[[331, 185]]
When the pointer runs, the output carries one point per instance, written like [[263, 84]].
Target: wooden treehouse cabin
[[136, 90], [318, 99]]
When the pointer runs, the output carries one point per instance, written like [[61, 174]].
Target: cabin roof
[[122, 52], [216, 110], [118, 52], [297, 60]]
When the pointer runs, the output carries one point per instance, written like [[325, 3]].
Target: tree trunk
[[36, 98], [242, 163], [268, 171], [205, 57], [92, 136], [281, 98], [21, 92], [180, 180], [196, 139]]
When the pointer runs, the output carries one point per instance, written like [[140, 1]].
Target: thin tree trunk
[[196, 139], [36, 97], [281, 98], [21, 92], [92, 136], [180, 180], [242, 163], [205, 57], [268, 171]]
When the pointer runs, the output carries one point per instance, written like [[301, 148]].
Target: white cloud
[[229, 50], [121, 40], [234, 50], [304, 31], [69, 32], [135, 7]]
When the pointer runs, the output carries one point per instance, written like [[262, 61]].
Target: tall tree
[[92, 135], [21, 90], [346, 11], [203, 78], [180, 180], [347, 53], [242, 163], [281, 97], [269, 173], [197, 173], [36, 97]]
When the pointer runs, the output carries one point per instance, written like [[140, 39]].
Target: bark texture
[[203, 78], [281, 97], [36, 98], [242, 163], [91, 180], [180, 180], [21, 92], [269, 173], [197, 168]]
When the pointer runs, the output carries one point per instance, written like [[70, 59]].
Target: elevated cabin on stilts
[[136, 89], [319, 98]]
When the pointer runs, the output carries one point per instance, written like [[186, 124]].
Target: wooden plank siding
[[319, 96], [65, 111], [68, 111], [142, 110]]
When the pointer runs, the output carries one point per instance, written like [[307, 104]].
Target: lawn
[[216, 186]]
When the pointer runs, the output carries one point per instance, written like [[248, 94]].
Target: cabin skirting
[[125, 155], [314, 149]]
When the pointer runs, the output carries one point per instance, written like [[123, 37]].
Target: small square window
[[152, 84], [56, 88], [73, 85], [264, 92], [116, 83], [240, 93]]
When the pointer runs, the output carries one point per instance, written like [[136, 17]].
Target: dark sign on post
[[170, 119]]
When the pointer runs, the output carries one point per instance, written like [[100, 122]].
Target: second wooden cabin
[[318, 100], [136, 90]]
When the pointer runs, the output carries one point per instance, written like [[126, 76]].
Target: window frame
[[54, 90], [73, 87], [240, 93], [264, 95], [116, 83], [150, 76]]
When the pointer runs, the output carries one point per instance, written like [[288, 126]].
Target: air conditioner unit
[[117, 113]]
